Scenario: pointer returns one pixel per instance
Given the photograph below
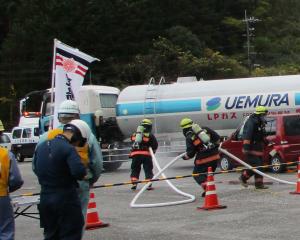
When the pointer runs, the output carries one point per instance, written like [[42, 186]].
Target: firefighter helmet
[[1, 126], [261, 110], [186, 123], [146, 121]]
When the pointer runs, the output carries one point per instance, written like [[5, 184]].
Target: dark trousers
[[254, 161], [61, 215], [7, 221], [202, 168], [136, 165]]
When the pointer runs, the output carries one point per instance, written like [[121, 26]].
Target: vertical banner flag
[[69, 68]]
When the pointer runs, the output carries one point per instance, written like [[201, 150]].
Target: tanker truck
[[218, 104]]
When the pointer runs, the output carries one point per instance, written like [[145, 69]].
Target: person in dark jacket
[[142, 140], [202, 142], [58, 167], [253, 145]]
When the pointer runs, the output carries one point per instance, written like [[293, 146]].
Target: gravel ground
[[250, 214]]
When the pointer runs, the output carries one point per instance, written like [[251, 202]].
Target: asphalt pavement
[[269, 214]]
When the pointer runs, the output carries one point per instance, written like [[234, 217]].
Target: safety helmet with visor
[[80, 130], [186, 123], [261, 110], [147, 124]]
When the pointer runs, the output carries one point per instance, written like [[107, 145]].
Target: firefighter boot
[[243, 182], [149, 188], [259, 184], [261, 187], [134, 186]]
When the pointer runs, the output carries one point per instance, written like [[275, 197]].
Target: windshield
[[108, 100], [292, 125]]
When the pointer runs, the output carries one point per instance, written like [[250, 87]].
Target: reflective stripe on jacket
[[4, 171], [207, 159], [140, 152], [145, 138]]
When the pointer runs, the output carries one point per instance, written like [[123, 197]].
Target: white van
[[23, 141]]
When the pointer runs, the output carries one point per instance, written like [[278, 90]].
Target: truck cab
[[94, 100]]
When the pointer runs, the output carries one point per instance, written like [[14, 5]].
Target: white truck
[[93, 100]]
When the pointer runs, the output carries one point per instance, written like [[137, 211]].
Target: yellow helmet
[[146, 121], [261, 110], [186, 123], [1, 126]]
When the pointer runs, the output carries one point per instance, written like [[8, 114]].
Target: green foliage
[[139, 39]]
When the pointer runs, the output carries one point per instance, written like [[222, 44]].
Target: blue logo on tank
[[213, 104], [297, 98]]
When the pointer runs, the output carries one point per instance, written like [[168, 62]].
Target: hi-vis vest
[[82, 151], [144, 150], [4, 172]]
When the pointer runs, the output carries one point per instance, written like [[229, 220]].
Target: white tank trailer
[[218, 104]]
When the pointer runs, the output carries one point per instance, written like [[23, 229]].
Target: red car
[[282, 130]]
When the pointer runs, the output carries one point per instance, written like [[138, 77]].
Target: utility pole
[[249, 34]]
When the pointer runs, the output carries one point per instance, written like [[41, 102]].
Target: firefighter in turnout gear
[[202, 142], [253, 145], [142, 140]]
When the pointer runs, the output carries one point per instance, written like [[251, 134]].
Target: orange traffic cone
[[298, 180], [92, 219], [211, 198]]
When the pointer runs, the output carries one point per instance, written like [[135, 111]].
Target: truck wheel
[[276, 162], [225, 163], [19, 157], [111, 166]]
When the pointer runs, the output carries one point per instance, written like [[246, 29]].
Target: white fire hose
[[248, 166], [160, 172]]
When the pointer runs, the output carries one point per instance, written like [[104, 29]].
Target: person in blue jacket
[[58, 167], [91, 154], [10, 181]]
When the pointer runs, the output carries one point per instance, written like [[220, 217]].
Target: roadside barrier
[[298, 179], [108, 185], [211, 199], [92, 219]]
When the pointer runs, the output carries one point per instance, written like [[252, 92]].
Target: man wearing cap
[[90, 153], [253, 145], [58, 167], [142, 140]]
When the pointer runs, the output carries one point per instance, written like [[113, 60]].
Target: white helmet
[[69, 107], [83, 127], [81, 131]]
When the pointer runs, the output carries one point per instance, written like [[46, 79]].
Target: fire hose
[[250, 167]]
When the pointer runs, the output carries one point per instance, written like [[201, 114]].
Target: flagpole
[[52, 84]]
